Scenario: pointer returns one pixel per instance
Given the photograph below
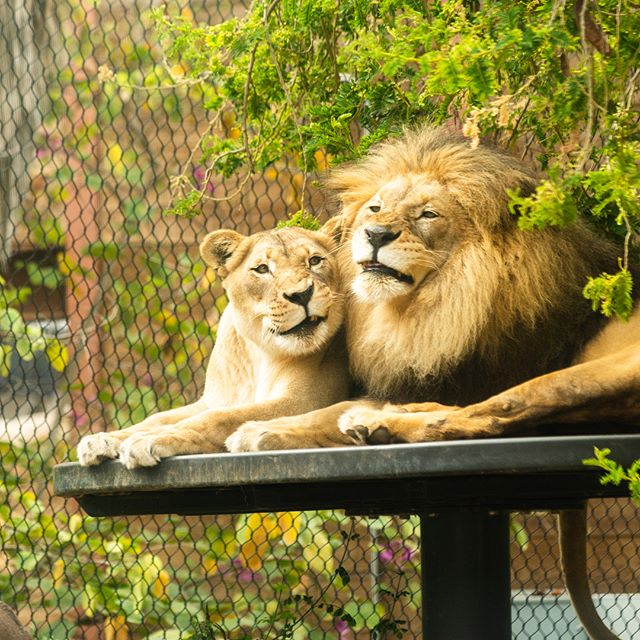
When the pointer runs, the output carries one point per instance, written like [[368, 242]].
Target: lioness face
[[284, 286], [402, 236]]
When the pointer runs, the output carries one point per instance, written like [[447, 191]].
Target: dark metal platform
[[462, 491], [518, 473]]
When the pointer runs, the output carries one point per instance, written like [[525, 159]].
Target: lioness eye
[[428, 213], [261, 268], [315, 260], [374, 207]]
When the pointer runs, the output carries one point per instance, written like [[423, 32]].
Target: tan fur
[[489, 293], [480, 315], [255, 371]]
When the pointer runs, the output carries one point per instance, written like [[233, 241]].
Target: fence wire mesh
[[107, 315]]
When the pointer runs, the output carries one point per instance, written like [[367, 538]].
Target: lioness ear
[[218, 246], [334, 228]]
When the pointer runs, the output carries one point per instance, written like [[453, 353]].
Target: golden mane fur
[[499, 287]]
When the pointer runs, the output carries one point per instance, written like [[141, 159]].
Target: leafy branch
[[319, 82], [615, 473]]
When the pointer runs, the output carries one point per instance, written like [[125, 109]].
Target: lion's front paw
[[255, 436], [366, 427], [97, 447], [142, 451]]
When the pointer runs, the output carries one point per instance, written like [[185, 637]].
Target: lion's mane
[[506, 306]]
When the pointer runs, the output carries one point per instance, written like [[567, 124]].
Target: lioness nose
[[300, 297], [378, 236]]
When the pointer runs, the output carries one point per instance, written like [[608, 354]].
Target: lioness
[[279, 335], [470, 326]]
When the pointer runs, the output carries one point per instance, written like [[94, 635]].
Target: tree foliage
[[615, 473], [553, 80]]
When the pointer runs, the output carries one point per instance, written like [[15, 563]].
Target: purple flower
[[342, 628], [397, 553], [406, 554], [80, 419], [386, 555], [200, 175], [246, 575]]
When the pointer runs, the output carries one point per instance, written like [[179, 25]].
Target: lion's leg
[[306, 431], [95, 448], [418, 407], [202, 433], [604, 389]]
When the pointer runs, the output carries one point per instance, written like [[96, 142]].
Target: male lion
[[279, 335], [481, 326]]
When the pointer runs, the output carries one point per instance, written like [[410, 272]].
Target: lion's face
[[402, 236], [283, 286]]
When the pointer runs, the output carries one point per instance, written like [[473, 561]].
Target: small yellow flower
[[105, 73]]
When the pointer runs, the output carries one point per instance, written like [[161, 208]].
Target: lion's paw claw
[[254, 436], [358, 433], [357, 426], [139, 452], [367, 427], [381, 435], [97, 447]]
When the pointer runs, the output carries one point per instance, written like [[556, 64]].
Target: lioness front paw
[[367, 427], [255, 436], [97, 447], [142, 451]]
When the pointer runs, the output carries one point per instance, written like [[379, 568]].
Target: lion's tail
[[573, 552]]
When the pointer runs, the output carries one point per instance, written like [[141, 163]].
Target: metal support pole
[[466, 579]]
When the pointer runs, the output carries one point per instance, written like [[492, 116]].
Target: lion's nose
[[300, 297], [379, 236]]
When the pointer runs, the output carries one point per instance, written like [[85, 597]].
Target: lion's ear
[[334, 228], [218, 246]]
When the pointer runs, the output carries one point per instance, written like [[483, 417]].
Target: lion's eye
[[374, 208], [429, 213], [261, 268], [315, 260]]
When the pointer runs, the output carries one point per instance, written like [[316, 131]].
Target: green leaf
[[520, 534], [23, 348], [11, 322], [57, 353], [302, 219], [5, 359], [94, 181], [343, 575], [611, 294], [44, 276], [106, 250]]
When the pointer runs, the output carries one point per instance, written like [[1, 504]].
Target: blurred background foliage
[[92, 249]]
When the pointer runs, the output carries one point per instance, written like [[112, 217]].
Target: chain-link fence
[[107, 315]]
